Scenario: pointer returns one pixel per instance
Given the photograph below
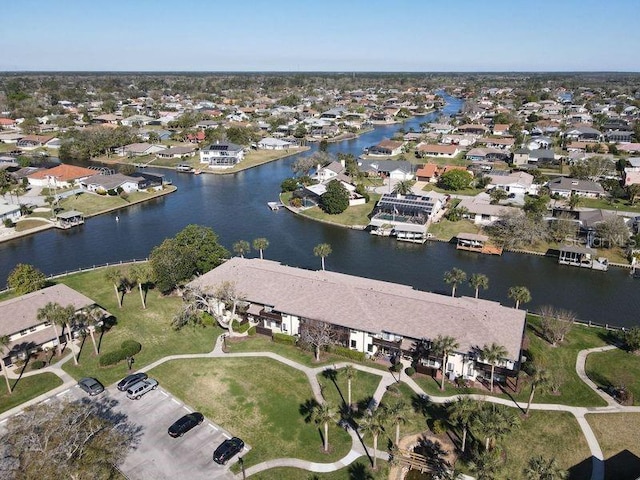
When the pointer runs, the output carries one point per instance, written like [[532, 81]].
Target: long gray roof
[[371, 305]]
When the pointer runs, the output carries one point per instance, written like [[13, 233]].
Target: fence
[[591, 324]]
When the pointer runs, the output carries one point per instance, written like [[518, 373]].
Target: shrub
[[284, 338], [348, 353], [252, 331], [289, 185], [37, 365], [296, 202], [208, 320], [438, 427], [130, 348], [111, 358], [410, 371], [396, 367], [9, 223]]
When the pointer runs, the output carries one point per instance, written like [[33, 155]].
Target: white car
[[137, 390]]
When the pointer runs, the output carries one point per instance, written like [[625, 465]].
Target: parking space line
[[187, 409], [165, 394], [214, 427], [175, 401], [226, 436], [62, 393]]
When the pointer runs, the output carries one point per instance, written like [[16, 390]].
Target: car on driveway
[[186, 423], [91, 386], [137, 390], [227, 450], [130, 380]]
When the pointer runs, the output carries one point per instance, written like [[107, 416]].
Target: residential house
[[565, 187], [428, 173], [7, 124], [439, 128], [177, 152], [473, 129], [364, 313], [27, 334], [271, 143], [102, 183], [139, 149], [222, 155], [618, 136], [458, 139], [518, 183], [583, 134], [328, 172], [501, 143], [395, 169], [387, 148], [446, 151], [485, 154], [109, 118], [59, 176], [9, 211], [481, 211], [137, 121], [31, 142], [501, 129]]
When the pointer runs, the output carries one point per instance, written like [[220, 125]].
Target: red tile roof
[[428, 171], [63, 173]]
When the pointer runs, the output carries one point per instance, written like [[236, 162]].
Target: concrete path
[[358, 449]]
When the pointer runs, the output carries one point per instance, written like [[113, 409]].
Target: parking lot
[[159, 456]]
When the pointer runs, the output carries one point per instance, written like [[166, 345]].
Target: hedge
[[252, 331], [130, 348], [410, 371], [284, 338], [348, 353], [37, 365]]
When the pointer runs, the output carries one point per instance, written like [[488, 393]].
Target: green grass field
[[619, 439], [25, 389], [446, 230], [358, 470], [615, 368]]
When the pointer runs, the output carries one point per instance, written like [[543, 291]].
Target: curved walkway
[[358, 449]]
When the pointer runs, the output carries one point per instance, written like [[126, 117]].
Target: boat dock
[[274, 205], [475, 242], [585, 257]]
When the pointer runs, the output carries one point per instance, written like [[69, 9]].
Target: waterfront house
[[372, 316], [565, 186], [177, 152], [271, 143], [445, 151], [328, 172], [395, 169], [139, 149], [31, 142], [9, 211], [582, 256], [475, 242], [222, 155], [60, 176], [101, 183], [387, 148], [485, 154], [27, 334], [481, 211], [518, 183], [399, 210]]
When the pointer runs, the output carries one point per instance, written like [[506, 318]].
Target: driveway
[[158, 456]]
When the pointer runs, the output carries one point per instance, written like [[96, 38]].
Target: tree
[[68, 318], [556, 323], [453, 277], [497, 195], [540, 468], [141, 274], [631, 339], [241, 247], [633, 191], [536, 207], [322, 250], [612, 232], [228, 293], [562, 227], [25, 278], [373, 424], [493, 421], [397, 415], [493, 354], [92, 318], [573, 201], [52, 313], [486, 465], [403, 187], [335, 199], [455, 180], [515, 230], [63, 439], [288, 185], [171, 265], [114, 275], [520, 295], [200, 245], [303, 165], [4, 343], [349, 373], [323, 414], [444, 345], [479, 280], [260, 244], [318, 334], [539, 380], [461, 412]]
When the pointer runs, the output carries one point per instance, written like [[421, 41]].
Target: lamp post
[[241, 462]]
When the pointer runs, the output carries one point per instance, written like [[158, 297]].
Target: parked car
[[227, 449], [186, 423], [130, 380], [91, 386], [138, 389]]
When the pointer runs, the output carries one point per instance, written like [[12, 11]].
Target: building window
[[23, 332], [32, 329], [354, 344], [370, 348], [449, 367]]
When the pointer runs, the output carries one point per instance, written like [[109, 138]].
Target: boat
[[183, 167]]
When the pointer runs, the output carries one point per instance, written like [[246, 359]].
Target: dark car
[[91, 386], [227, 449], [129, 380], [186, 423]]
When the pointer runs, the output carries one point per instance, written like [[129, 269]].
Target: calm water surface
[[235, 206]]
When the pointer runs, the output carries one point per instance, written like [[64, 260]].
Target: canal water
[[235, 206]]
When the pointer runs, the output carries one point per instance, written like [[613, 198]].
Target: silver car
[[137, 390]]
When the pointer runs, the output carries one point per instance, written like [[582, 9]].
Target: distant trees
[[25, 278], [336, 198], [84, 144]]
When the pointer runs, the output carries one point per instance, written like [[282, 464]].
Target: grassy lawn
[[606, 204], [150, 327], [615, 368], [471, 191], [90, 204], [25, 225], [358, 470], [363, 386], [550, 434], [264, 405], [26, 389], [446, 230], [253, 158], [619, 438], [356, 215]]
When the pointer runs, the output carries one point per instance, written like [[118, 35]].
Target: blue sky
[[320, 35]]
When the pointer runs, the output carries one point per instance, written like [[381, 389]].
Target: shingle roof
[[371, 305], [63, 173]]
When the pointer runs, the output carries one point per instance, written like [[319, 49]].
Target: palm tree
[[349, 373], [4, 343], [397, 415], [51, 313], [142, 274], [573, 201], [322, 414], [461, 412], [322, 250], [520, 295], [479, 280], [493, 354], [444, 345], [68, 317], [540, 378], [403, 187], [114, 275], [92, 318], [539, 468], [453, 277], [493, 421], [486, 465], [260, 244], [373, 423], [241, 247]]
